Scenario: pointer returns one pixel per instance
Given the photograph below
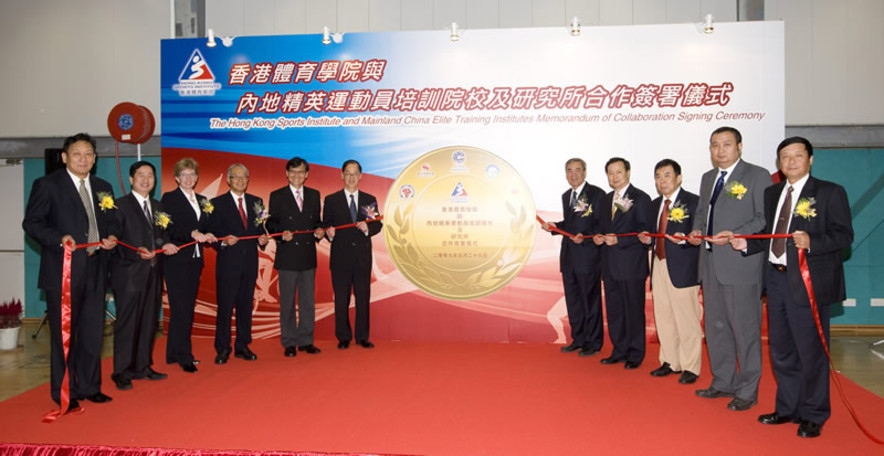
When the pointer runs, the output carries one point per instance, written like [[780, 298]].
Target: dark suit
[[138, 287], [624, 272], [55, 209], [236, 269], [796, 353], [732, 282], [350, 262], [295, 262], [580, 265], [182, 272], [675, 290]]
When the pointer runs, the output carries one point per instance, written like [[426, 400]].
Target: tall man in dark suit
[[624, 264], [580, 262], [351, 256], [296, 208], [674, 283], [137, 278], [817, 214], [237, 214], [65, 207], [191, 212], [731, 201]]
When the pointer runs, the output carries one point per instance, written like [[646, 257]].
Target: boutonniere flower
[[207, 206], [262, 214], [804, 208], [105, 201], [371, 211], [735, 189], [678, 213], [624, 205], [582, 207], [161, 219]]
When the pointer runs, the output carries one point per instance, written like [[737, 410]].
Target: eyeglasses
[[183, 175], [239, 178]]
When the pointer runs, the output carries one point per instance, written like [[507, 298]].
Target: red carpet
[[425, 398]]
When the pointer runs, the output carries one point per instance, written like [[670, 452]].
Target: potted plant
[[10, 324]]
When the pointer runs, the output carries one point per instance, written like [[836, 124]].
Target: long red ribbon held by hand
[[65, 401], [805, 277]]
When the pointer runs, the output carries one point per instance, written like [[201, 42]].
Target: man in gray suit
[[731, 201]]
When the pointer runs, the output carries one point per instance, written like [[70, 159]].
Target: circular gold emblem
[[459, 222]]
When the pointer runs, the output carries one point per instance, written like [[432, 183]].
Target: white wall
[[12, 275]]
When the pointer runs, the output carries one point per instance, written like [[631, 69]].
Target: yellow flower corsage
[[737, 190], [678, 213], [162, 219], [804, 208], [105, 201], [207, 206]]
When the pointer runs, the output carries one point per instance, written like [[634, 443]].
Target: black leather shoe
[[98, 398], [687, 377], [188, 367], [343, 344], [572, 347], [740, 405], [123, 384], [154, 375], [290, 352], [663, 371], [366, 344], [775, 418], [587, 352], [808, 429], [221, 358], [712, 393], [610, 360], [311, 349], [631, 365], [246, 354]]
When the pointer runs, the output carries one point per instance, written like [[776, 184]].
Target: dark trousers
[[583, 298], [359, 281], [297, 331], [796, 353], [87, 324], [234, 293], [136, 327], [182, 286], [625, 305]]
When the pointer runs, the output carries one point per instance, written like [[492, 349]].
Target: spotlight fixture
[[211, 41], [454, 34], [227, 41], [575, 26], [337, 38], [326, 38], [707, 24]]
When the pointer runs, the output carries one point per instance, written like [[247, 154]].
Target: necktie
[[90, 214], [299, 200], [778, 245], [660, 246], [147, 214], [573, 198], [719, 184], [614, 205], [242, 214], [352, 209]]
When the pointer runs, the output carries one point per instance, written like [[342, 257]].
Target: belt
[[778, 267]]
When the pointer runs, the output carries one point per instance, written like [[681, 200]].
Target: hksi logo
[[196, 78]]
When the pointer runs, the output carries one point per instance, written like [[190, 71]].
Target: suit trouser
[[677, 315], [301, 284], [87, 326], [583, 298], [182, 286], [796, 353], [136, 326], [625, 306], [733, 334], [359, 281], [234, 293]]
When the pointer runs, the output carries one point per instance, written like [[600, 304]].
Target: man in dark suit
[[191, 212], [296, 208], [237, 214], [817, 214], [731, 201], [351, 256], [580, 262], [137, 278], [674, 283], [624, 264], [65, 207]]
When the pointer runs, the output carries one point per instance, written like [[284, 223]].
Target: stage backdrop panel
[[534, 97]]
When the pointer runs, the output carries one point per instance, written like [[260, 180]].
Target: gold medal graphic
[[459, 222]]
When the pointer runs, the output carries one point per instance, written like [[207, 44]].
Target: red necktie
[[242, 214], [660, 247]]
